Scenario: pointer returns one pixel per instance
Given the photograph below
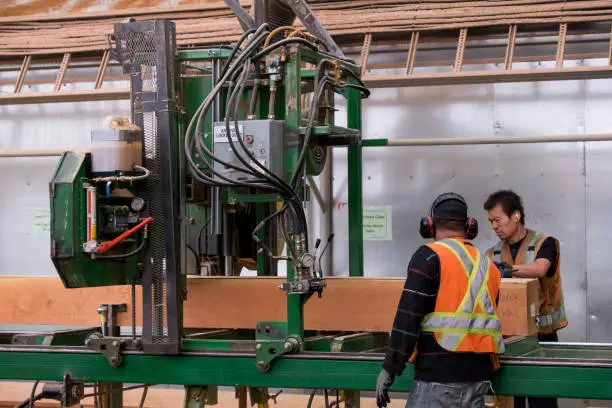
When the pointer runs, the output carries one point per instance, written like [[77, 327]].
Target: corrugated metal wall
[[565, 186]]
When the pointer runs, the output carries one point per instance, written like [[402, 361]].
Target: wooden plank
[[103, 94], [412, 50], [365, 53], [510, 47], [460, 50], [22, 73], [487, 77], [561, 45], [354, 304], [59, 81]]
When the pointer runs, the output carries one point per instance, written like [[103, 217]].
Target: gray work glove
[[384, 382]]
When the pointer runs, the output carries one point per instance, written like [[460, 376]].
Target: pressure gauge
[[137, 204], [307, 260]]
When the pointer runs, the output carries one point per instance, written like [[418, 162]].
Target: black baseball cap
[[451, 207]]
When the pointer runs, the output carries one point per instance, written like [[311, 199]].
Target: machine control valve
[[305, 286]]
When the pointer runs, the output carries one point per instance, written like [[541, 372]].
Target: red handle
[[106, 246]]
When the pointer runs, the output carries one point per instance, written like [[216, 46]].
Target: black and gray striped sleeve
[[418, 299]]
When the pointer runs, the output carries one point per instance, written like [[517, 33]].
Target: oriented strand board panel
[[351, 304]]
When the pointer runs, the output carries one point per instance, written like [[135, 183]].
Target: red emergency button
[[249, 139]]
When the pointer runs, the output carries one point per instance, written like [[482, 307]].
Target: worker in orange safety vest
[[529, 254], [448, 311]]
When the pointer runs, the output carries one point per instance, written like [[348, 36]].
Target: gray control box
[[264, 139]]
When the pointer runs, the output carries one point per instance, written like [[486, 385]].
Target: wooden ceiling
[[44, 27]]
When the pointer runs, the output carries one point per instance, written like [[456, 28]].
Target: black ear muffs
[[427, 226]]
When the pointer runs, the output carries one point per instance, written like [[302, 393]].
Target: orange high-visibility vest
[[465, 316], [551, 316]]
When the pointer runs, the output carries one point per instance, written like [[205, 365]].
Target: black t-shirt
[[548, 250], [434, 363]]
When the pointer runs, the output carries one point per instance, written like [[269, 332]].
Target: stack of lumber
[[70, 27]]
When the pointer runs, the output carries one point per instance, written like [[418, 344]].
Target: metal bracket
[[108, 314], [272, 341], [67, 392], [303, 11], [108, 346], [261, 396], [304, 286], [244, 18], [198, 396]]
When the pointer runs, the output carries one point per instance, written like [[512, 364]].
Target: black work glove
[[505, 269], [384, 382]]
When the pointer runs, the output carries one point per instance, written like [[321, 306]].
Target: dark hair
[[509, 201], [450, 225]]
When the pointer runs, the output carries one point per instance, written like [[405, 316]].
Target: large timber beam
[[355, 304]]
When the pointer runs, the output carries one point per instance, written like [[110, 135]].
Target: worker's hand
[[505, 269], [382, 388]]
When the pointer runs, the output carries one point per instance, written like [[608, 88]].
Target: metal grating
[[146, 49]]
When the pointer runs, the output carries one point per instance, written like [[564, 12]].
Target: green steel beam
[[204, 54], [355, 187], [308, 371]]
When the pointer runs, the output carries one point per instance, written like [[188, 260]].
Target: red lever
[[106, 246]]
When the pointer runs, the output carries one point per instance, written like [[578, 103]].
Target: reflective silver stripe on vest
[[465, 323], [551, 319]]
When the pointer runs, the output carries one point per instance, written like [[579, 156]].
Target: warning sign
[[377, 223]]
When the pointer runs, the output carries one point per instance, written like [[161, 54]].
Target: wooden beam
[[561, 45], [365, 53], [487, 77], [412, 50], [510, 47], [102, 69], [27, 60], [460, 50], [355, 304], [103, 94], [59, 81]]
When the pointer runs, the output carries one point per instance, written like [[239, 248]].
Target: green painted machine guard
[[68, 230]]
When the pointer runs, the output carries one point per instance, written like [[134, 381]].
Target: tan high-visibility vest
[[551, 316]]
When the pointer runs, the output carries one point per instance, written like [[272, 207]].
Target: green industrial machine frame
[[334, 361]]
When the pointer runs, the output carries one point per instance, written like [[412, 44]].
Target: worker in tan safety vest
[[448, 311], [530, 254]]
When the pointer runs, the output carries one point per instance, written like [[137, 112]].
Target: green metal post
[[355, 188], [295, 303]]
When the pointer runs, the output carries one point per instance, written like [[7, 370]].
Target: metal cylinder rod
[[38, 152], [459, 141]]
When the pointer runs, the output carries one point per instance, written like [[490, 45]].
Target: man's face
[[503, 225]]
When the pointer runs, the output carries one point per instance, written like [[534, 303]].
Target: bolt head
[[115, 343], [258, 347]]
